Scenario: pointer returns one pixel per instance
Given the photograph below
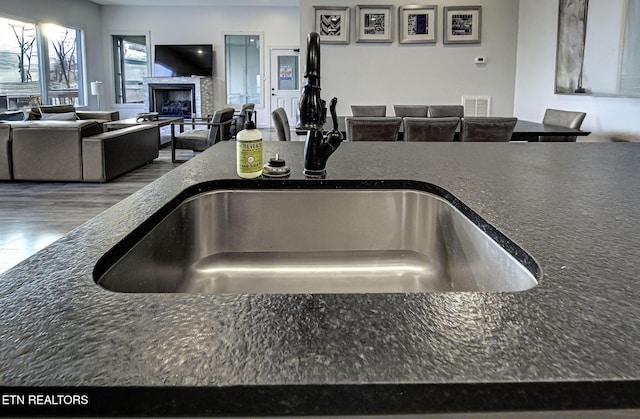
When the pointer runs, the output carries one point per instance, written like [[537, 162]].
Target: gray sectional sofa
[[78, 150]]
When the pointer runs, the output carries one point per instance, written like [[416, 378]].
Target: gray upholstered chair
[[564, 119], [446, 111], [490, 129], [241, 118], [281, 123], [418, 111], [372, 128], [218, 129], [369, 110], [430, 129]]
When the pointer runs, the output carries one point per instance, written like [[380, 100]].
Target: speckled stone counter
[[572, 342]]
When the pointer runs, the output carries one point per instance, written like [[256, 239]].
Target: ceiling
[[269, 3]]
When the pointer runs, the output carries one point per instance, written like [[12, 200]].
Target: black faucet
[[318, 148], [313, 110]]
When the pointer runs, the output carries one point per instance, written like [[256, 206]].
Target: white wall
[[79, 14], [279, 26], [361, 73], [535, 78]]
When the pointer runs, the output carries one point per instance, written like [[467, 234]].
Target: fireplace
[[176, 94], [173, 99]]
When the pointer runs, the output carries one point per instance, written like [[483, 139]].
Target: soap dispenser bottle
[[249, 149]]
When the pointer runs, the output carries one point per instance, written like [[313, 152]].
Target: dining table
[[524, 131]]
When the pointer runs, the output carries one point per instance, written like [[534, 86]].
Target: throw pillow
[[66, 116], [12, 116], [56, 108], [38, 110]]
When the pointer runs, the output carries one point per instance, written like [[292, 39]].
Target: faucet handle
[[334, 137], [334, 116]]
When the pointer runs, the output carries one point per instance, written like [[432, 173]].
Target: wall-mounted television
[[183, 60]]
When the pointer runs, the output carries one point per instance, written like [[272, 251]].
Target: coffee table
[[131, 122]]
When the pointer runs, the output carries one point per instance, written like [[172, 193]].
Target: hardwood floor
[[35, 214]]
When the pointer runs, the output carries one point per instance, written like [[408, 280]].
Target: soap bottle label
[[250, 156]]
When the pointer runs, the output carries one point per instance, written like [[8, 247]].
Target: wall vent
[[476, 105]]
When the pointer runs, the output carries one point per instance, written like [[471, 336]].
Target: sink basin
[[316, 237]]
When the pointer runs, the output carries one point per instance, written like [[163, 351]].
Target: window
[[64, 81], [288, 72], [19, 67], [131, 65], [243, 69], [39, 63]]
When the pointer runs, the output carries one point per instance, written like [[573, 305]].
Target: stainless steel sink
[[297, 240]]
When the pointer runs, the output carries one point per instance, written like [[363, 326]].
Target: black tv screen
[[183, 60]]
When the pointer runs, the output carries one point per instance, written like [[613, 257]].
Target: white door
[[285, 82]]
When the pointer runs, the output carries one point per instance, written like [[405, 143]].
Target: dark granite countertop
[[572, 342]]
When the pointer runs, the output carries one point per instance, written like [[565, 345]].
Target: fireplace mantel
[[203, 91]]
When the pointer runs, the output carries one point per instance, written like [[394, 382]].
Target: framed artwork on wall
[[332, 24], [417, 24], [462, 24], [572, 35], [374, 23]]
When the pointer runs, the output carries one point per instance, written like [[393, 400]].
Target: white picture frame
[[417, 24], [332, 24], [374, 23], [462, 24]]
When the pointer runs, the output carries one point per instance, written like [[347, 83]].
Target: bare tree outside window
[[19, 65], [26, 37], [65, 67], [63, 64]]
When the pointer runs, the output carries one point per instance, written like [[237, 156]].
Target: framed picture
[[374, 23], [462, 24], [417, 24], [332, 24]]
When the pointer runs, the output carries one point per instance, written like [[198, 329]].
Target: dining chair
[[446, 111], [418, 111], [281, 123], [218, 129], [564, 119], [241, 118], [372, 128], [488, 129], [430, 129], [369, 110]]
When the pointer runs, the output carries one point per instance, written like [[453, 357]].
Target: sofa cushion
[[49, 150], [62, 116], [37, 111], [86, 128]]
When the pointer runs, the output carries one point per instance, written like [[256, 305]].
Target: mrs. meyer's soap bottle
[[249, 149]]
